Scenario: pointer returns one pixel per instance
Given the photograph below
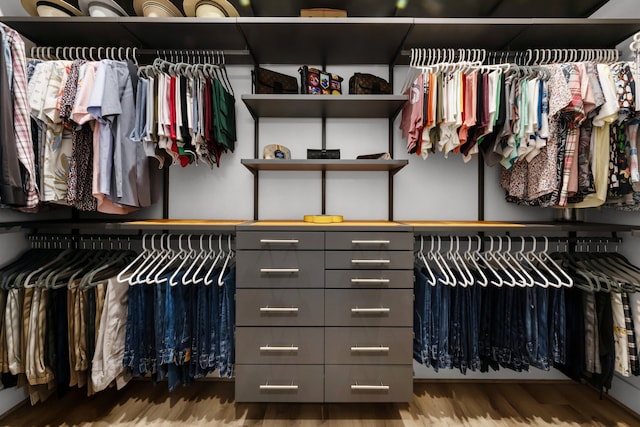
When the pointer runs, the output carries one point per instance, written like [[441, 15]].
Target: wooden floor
[[434, 404]]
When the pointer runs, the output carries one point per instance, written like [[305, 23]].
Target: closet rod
[[128, 53], [521, 57]]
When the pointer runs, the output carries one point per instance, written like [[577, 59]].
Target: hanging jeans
[[227, 324]]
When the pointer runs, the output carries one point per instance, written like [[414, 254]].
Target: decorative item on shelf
[[270, 82], [52, 8], [276, 151], [376, 156], [323, 219], [158, 8], [368, 84], [323, 12], [210, 9], [107, 8], [322, 154], [314, 81]]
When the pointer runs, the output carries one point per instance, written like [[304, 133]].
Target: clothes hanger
[[209, 255], [153, 260], [145, 252], [447, 276], [172, 259], [521, 256], [421, 257], [230, 254], [221, 253], [195, 256], [495, 257], [469, 256]]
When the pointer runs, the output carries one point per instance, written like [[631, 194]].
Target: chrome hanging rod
[[424, 57]]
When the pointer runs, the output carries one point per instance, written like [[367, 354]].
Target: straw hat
[[107, 8], [158, 8], [51, 8], [209, 8]]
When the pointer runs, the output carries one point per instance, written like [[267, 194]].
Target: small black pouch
[[322, 154]]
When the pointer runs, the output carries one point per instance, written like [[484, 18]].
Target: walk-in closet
[[328, 212]]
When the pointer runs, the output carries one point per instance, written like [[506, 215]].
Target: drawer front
[[279, 383], [280, 269], [280, 307], [297, 346], [398, 241], [362, 279], [280, 240], [368, 383], [368, 346], [369, 260], [368, 307]]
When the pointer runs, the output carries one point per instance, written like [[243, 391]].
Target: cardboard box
[[322, 12]]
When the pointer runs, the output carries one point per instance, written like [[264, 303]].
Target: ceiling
[[414, 8]]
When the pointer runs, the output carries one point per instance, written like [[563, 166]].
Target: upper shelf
[[345, 106], [318, 41]]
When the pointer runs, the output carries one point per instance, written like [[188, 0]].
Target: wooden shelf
[[516, 227], [333, 106], [182, 225], [255, 165]]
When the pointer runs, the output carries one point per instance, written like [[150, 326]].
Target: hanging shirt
[[411, 122]]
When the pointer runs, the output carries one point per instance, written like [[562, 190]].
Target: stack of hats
[[147, 8]]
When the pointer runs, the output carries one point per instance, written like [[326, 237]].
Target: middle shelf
[[334, 106], [255, 165]]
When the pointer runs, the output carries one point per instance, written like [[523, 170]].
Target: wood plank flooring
[[435, 404]]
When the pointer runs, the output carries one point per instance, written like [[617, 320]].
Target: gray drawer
[[301, 346], [368, 307], [280, 269], [362, 279], [279, 383], [280, 240], [369, 260], [368, 383], [360, 240], [368, 346], [280, 307]]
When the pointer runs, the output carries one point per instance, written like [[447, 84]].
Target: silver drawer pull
[[369, 387], [278, 387], [278, 309], [280, 241], [380, 349], [381, 310], [279, 270], [278, 349], [370, 242], [354, 280], [370, 261]]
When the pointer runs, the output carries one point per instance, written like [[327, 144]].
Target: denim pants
[[227, 324], [421, 318], [213, 352]]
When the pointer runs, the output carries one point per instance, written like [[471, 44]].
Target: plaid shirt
[[576, 109], [21, 117]]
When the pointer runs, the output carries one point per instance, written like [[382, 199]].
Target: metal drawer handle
[[278, 349], [381, 310], [381, 387], [279, 270], [280, 241], [370, 242], [278, 309], [355, 280], [278, 387], [370, 261], [381, 349]]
